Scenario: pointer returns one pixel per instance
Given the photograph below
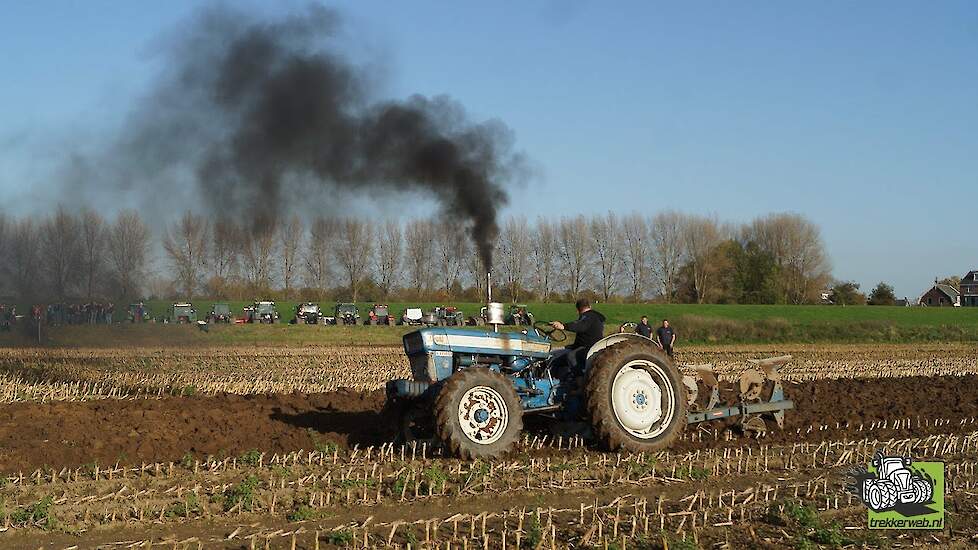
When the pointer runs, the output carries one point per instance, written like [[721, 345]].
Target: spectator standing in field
[[644, 328], [667, 337]]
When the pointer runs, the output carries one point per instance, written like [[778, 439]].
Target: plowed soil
[[71, 434]]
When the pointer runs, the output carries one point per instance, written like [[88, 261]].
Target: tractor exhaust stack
[[494, 311]]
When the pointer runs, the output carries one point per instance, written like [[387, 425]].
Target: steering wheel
[[549, 331]]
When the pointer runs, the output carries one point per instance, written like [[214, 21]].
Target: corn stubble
[[553, 492]]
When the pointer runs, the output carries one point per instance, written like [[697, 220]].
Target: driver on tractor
[[568, 363]]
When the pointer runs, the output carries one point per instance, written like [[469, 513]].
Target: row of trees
[[67, 256], [669, 256], [673, 256], [847, 293]]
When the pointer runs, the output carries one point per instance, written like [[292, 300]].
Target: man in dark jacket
[[667, 337], [644, 328], [587, 329]]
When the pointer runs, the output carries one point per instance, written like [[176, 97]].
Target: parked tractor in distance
[[380, 314], [346, 314], [263, 312], [182, 313], [444, 317], [412, 316], [220, 313], [307, 314], [518, 315], [471, 388]]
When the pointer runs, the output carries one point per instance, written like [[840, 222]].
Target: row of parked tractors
[[309, 313]]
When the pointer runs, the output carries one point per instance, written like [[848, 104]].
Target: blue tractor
[[471, 388]]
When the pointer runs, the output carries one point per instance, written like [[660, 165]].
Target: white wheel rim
[[483, 415], [642, 399]]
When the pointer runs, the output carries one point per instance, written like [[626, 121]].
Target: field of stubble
[[288, 447]]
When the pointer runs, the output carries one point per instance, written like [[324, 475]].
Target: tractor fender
[[613, 339]]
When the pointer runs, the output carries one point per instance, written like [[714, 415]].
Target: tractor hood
[[476, 342]]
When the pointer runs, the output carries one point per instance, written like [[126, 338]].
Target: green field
[[693, 323]]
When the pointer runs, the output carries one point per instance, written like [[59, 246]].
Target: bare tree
[[5, 235], [475, 271], [450, 252], [573, 246], [636, 252], [94, 240], [225, 248], [354, 251], [61, 254], [129, 242], [258, 247], [545, 258], [185, 243], [701, 235], [389, 252], [291, 243], [606, 243], [795, 244], [318, 254], [418, 253], [514, 255], [667, 250], [23, 251]]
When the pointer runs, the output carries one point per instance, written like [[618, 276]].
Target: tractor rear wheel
[[478, 414], [635, 398]]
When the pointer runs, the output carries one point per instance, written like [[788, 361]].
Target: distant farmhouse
[[941, 295], [969, 289]]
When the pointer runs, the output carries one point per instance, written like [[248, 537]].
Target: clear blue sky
[[863, 116]]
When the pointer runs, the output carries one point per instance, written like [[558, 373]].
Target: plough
[[760, 394]]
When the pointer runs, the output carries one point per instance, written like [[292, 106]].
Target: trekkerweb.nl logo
[[901, 493]]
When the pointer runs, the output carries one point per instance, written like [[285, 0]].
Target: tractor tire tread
[[450, 433], [923, 489], [888, 493], [609, 433]]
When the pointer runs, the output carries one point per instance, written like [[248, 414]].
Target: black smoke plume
[[261, 114]]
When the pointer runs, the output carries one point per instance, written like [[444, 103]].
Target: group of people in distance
[[92, 313], [665, 337]]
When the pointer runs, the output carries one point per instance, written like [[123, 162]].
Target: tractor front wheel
[[636, 399], [922, 491], [881, 494], [478, 414]]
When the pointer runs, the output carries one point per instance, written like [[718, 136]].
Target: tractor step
[[406, 388]]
